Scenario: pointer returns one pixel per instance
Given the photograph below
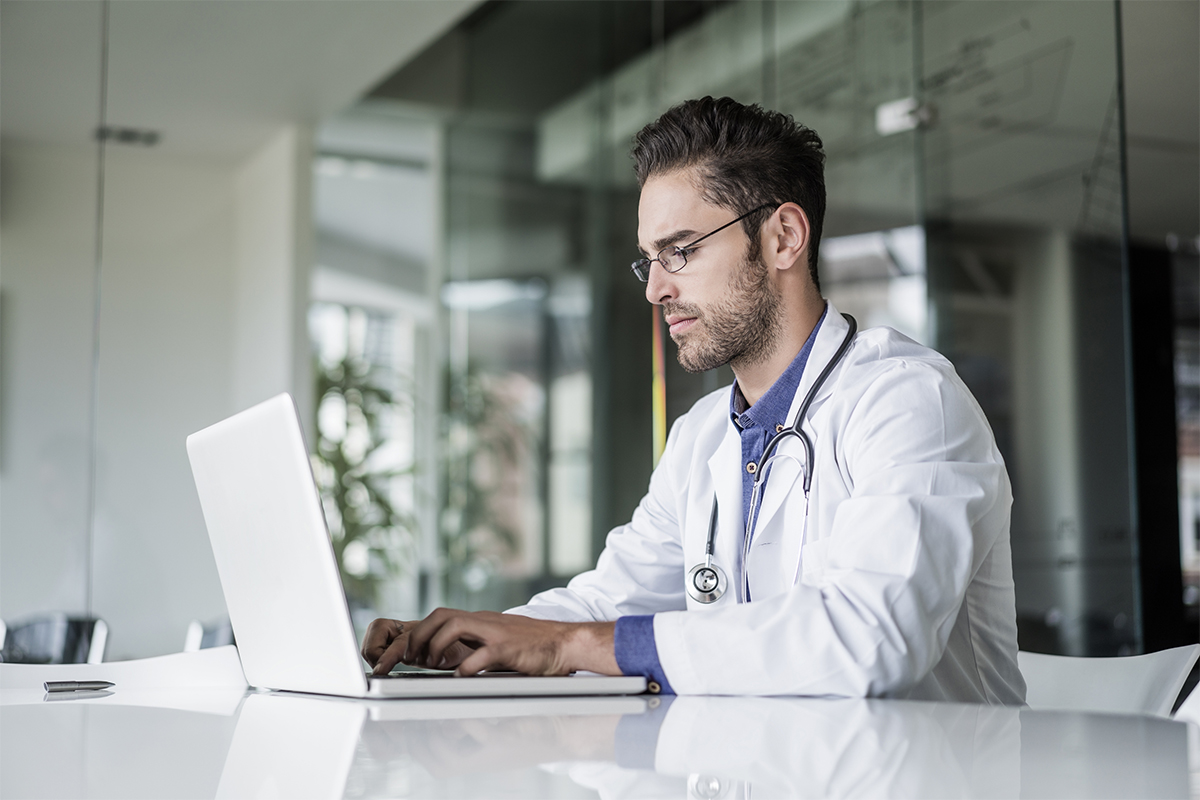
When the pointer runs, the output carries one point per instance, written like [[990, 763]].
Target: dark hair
[[745, 156]]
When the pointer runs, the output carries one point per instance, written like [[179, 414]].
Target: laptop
[[281, 583]]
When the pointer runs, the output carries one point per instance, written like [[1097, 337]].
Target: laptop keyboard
[[412, 673], [420, 673]]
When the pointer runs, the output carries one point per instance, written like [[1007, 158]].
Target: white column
[[273, 246]]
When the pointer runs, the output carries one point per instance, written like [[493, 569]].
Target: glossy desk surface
[[227, 742]]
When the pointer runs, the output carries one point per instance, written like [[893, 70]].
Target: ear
[[785, 238]]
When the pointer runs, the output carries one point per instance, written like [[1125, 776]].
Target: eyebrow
[[668, 240]]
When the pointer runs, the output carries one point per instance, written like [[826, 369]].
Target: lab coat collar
[[785, 475], [829, 338], [725, 466]]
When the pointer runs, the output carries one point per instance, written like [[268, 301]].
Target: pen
[[77, 686]]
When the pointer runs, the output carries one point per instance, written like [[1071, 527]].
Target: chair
[[55, 639], [1189, 709], [1145, 684], [201, 637]]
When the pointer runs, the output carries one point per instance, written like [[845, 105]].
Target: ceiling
[[1023, 93], [214, 78], [217, 77]]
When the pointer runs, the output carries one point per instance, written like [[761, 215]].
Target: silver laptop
[[281, 582]]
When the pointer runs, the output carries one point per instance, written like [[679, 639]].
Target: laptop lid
[[273, 552], [282, 588]]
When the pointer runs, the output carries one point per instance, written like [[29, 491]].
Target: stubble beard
[[741, 330]]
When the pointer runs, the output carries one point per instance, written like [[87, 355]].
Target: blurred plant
[[486, 441], [372, 540]]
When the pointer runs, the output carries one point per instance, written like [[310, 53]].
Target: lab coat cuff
[[673, 651], [636, 652]]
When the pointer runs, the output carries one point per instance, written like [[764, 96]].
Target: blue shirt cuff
[[636, 652]]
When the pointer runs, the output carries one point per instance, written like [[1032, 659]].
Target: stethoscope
[[706, 581]]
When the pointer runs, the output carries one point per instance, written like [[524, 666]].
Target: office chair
[[201, 636], [1146, 684], [55, 638], [1189, 709]]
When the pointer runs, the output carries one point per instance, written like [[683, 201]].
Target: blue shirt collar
[[771, 409]]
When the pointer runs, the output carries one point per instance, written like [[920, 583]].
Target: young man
[[875, 562]]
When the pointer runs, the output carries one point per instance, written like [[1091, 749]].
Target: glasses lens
[[672, 259], [641, 269]]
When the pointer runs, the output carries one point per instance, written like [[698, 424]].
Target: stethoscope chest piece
[[706, 582]]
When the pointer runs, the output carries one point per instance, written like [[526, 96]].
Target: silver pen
[[77, 686]]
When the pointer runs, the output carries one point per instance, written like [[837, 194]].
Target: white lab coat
[[893, 578]]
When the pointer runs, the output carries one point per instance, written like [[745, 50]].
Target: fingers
[[482, 659], [380, 634], [384, 644], [429, 643], [391, 656], [485, 640], [460, 628], [419, 636]]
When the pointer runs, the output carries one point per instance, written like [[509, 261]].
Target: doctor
[[869, 556]]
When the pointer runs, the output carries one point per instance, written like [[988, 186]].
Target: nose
[[660, 285]]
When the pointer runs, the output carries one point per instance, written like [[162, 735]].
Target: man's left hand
[[512, 642]]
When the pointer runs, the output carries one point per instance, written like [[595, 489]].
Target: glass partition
[[158, 248], [541, 215], [376, 368], [49, 222], [436, 268], [1022, 189], [974, 179], [165, 333]]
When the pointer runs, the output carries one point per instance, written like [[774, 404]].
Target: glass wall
[[426, 241], [1185, 268], [975, 203], [1022, 194], [374, 308], [48, 260], [157, 247]]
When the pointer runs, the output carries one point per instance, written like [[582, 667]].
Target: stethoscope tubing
[[763, 464], [796, 429]]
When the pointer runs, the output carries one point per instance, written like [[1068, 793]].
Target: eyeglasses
[[674, 258]]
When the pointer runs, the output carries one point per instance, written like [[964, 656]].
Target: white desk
[[214, 742]]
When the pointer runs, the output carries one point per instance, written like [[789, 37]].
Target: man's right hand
[[386, 640]]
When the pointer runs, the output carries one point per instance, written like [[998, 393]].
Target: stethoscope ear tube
[[809, 454], [706, 582]]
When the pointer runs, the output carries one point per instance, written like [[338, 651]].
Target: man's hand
[[386, 639], [486, 640]]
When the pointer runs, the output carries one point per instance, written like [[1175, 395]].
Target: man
[[875, 564]]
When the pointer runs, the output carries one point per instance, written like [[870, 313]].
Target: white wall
[[272, 258], [204, 288], [47, 214], [165, 340]]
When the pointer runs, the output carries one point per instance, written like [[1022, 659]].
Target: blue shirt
[[759, 423], [633, 640]]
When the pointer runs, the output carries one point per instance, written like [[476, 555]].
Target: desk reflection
[[297, 746], [724, 747], [720, 747]]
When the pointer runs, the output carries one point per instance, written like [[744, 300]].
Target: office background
[[417, 216]]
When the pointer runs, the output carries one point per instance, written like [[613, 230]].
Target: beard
[[741, 329]]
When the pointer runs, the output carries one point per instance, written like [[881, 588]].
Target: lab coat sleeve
[[928, 496], [640, 570]]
